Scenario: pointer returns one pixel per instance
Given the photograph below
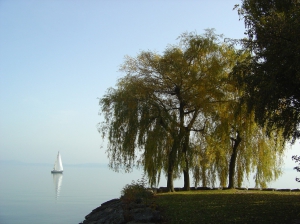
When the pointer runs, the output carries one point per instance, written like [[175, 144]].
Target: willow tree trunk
[[186, 169], [186, 176], [204, 183], [171, 164], [232, 163], [170, 181]]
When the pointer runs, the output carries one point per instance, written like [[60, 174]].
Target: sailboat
[[58, 167]]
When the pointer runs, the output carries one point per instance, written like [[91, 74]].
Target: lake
[[31, 194]]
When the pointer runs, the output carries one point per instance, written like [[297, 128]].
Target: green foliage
[[136, 192], [297, 160], [161, 100], [271, 76], [181, 112], [255, 152]]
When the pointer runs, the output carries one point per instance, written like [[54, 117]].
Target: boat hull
[[57, 171]]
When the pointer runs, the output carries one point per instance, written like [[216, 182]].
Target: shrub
[[136, 192]]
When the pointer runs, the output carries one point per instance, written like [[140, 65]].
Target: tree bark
[[186, 170], [171, 163], [186, 176], [204, 184], [170, 183], [232, 163]]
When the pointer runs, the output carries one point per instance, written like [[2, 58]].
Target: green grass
[[230, 206]]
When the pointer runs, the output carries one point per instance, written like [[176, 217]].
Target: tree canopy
[[271, 75], [179, 112], [162, 99]]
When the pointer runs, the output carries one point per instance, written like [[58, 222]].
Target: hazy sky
[[58, 56]]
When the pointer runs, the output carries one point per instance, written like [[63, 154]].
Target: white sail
[[58, 167]]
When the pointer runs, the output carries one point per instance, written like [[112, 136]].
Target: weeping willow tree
[[244, 147], [149, 117], [234, 145]]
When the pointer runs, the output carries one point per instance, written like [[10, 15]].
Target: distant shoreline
[[18, 163]]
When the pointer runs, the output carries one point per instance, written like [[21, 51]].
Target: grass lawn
[[230, 206]]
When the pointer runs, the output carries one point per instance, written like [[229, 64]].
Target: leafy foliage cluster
[[271, 74], [297, 160], [136, 192]]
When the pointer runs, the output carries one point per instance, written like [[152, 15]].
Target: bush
[[136, 192]]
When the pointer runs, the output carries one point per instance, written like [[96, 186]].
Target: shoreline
[[118, 211]]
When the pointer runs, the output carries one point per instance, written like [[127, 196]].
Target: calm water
[[31, 194]]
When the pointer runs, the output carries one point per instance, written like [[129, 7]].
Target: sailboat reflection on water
[[57, 181]]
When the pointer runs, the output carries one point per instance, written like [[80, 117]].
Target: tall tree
[[236, 145], [247, 147], [272, 75], [162, 98]]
